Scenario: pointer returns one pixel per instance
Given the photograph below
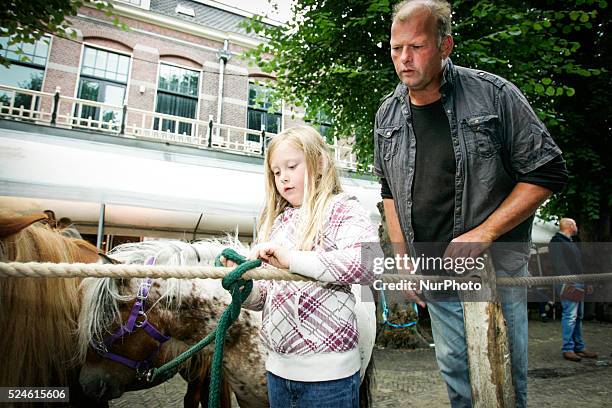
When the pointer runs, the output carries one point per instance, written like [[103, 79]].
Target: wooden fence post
[[487, 346]]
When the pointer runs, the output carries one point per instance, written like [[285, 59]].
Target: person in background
[[567, 260]]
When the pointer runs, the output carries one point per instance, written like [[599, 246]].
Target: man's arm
[[393, 226], [399, 244], [521, 203]]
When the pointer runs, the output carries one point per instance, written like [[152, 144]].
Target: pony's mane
[[38, 316], [100, 307], [39, 243]]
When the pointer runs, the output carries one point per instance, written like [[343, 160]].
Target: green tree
[[336, 55], [28, 20]]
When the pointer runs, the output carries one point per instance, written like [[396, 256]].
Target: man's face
[[574, 228], [415, 52]]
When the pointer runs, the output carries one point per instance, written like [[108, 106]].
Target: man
[[567, 260], [462, 158]]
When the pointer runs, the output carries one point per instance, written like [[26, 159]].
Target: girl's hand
[[227, 262], [273, 254]]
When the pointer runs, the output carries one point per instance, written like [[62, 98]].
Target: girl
[[311, 228]]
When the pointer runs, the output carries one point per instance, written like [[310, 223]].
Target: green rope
[[240, 290]]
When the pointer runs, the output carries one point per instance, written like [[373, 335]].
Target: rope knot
[[233, 281]]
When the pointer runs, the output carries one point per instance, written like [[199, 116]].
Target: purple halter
[[129, 327]]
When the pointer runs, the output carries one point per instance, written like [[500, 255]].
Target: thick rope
[[240, 290], [63, 270]]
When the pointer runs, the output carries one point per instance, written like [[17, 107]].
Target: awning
[[143, 184]]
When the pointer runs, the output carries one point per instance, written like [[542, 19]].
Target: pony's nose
[[99, 385]]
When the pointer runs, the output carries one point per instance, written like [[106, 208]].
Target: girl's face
[[288, 164]]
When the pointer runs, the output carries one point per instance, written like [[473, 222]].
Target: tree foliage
[[336, 55], [28, 20]]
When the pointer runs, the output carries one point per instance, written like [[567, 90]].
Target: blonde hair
[[439, 9], [321, 182]]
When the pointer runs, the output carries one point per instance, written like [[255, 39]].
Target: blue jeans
[[342, 393], [451, 349], [571, 325]]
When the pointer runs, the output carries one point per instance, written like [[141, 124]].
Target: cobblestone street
[[409, 378]]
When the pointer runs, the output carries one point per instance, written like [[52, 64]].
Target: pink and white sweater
[[310, 328]]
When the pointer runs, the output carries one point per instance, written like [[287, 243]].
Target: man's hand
[[470, 245], [413, 296], [408, 268], [273, 254]]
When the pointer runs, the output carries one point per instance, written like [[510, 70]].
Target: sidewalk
[[410, 378]]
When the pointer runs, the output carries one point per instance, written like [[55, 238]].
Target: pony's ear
[[12, 225]]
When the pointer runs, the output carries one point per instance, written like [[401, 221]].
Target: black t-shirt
[[433, 188]]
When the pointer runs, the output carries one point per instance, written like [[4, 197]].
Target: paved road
[[409, 378]]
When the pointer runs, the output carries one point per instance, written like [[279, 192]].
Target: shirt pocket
[[388, 139], [481, 137]]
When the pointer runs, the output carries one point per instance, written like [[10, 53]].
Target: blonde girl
[[312, 228]]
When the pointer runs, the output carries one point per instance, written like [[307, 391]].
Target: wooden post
[[487, 346]]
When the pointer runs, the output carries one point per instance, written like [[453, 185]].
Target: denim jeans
[[341, 393], [571, 325], [451, 349]]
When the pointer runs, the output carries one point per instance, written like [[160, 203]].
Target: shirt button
[[458, 210], [448, 111]]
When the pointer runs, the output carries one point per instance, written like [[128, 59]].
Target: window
[[186, 10], [263, 111], [322, 122], [105, 65], [143, 4], [103, 79], [177, 95], [137, 3], [26, 71]]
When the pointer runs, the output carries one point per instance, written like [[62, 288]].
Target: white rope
[[65, 270]]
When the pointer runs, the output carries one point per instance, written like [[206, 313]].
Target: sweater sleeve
[[354, 242], [257, 298]]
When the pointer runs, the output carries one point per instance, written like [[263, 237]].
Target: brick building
[[158, 130]]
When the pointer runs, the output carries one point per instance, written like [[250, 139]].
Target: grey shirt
[[496, 137]]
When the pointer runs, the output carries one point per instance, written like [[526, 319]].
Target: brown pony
[[38, 316]]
